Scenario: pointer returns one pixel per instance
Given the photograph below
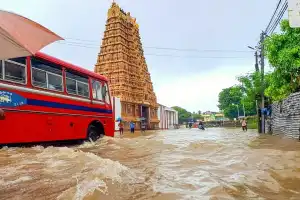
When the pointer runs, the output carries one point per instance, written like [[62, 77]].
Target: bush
[[252, 122]]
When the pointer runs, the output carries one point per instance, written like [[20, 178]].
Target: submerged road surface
[[176, 164]]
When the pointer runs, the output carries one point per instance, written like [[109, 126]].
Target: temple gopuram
[[121, 60]]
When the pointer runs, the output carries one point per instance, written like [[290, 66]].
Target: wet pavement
[[176, 164]]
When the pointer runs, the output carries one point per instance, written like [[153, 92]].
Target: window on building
[[46, 75], [77, 84], [14, 71], [97, 90]]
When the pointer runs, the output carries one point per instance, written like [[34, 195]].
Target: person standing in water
[[143, 127], [244, 124], [121, 128], [190, 125], [132, 126]]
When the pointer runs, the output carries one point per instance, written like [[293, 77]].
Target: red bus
[[46, 99]]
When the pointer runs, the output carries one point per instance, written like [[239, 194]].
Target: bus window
[[71, 86], [97, 93], [46, 76], [106, 94], [14, 71], [83, 89], [20, 60], [77, 85], [1, 69]]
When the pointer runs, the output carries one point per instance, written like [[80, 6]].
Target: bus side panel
[[110, 128], [19, 127], [55, 119], [45, 127]]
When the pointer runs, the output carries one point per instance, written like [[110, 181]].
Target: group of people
[[201, 125], [132, 127], [143, 126]]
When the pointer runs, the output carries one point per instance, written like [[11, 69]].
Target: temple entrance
[[145, 114]]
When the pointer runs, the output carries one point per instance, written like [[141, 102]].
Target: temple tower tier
[[121, 60]]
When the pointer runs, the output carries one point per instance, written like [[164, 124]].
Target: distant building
[[209, 113], [213, 116], [220, 117], [168, 117]]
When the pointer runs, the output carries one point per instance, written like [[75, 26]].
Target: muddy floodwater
[[176, 164]]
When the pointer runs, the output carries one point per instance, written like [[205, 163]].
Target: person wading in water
[[132, 126], [121, 128], [201, 126], [244, 125]]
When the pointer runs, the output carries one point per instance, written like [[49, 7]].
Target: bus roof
[[70, 66]]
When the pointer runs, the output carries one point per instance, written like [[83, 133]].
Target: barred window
[[14, 71], [77, 84], [1, 69], [46, 75]]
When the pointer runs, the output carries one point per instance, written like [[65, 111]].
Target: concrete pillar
[[173, 118], [167, 119], [149, 117]]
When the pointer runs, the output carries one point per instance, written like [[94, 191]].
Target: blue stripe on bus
[[50, 104]]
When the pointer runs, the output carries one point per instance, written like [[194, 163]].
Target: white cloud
[[199, 92]]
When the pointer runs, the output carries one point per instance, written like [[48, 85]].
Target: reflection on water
[[177, 164]]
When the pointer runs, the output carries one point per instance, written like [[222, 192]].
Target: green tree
[[229, 99], [252, 88], [283, 53], [183, 114]]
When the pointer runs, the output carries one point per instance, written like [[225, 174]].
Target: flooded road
[[175, 164]]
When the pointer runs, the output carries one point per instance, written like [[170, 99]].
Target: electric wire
[[82, 45], [279, 17], [277, 7], [151, 47]]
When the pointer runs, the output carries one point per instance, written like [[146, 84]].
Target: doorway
[[145, 114]]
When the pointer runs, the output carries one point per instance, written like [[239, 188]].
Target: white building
[[116, 103], [168, 117]]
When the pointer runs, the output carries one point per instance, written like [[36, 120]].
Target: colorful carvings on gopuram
[[122, 61]]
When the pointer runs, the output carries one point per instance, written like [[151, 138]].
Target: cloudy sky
[[190, 77]]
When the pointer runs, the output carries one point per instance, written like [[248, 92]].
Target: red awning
[[21, 37]]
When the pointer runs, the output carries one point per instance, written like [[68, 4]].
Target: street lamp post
[[243, 102], [261, 122], [237, 109]]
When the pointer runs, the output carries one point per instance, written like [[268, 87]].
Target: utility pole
[[262, 70], [257, 70], [256, 58], [256, 62]]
